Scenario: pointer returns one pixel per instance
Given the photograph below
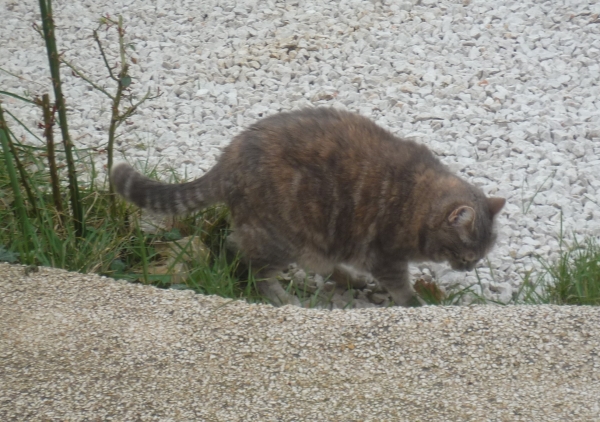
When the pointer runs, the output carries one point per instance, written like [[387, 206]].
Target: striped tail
[[162, 197]]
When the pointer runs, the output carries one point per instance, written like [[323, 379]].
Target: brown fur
[[323, 187]]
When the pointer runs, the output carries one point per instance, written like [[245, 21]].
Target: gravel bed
[[505, 92], [82, 347]]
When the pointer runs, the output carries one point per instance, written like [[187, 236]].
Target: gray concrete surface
[[81, 347]]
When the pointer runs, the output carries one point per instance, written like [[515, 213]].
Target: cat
[[323, 187]]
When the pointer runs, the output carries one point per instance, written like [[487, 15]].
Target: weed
[[575, 278], [527, 206]]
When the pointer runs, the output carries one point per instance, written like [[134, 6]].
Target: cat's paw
[[273, 292], [289, 299]]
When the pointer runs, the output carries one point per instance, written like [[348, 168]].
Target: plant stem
[[103, 55], [114, 123], [116, 119], [85, 78], [48, 123], [54, 60]]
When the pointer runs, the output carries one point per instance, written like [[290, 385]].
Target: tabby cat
[[323, 187]]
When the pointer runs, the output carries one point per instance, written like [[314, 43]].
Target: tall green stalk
[[54, 59]]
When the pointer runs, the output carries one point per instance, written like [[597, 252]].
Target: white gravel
[[506, 92]]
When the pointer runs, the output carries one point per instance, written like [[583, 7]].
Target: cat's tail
[[162, 197]]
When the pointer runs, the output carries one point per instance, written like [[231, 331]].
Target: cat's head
[[466, 233]]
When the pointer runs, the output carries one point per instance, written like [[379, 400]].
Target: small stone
[[483, 145], [378, 298], [500, 93], [319, 281], [329, 286], [559, 135], [505, 292], [525, 250]]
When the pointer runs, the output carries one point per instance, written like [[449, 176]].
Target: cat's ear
[[462, 216], [495, 205]]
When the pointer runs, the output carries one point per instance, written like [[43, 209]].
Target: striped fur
[[323, 187]]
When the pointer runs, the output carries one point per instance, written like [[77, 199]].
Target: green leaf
[[125, 81], [118, 266], [172, 235], [8, 256]]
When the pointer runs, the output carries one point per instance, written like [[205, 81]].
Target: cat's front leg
[[395, 279]]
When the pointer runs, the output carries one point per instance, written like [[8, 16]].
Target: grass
[[573, 279], [113, 244], [82, 228]]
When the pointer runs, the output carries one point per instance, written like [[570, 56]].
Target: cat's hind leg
[[350, 278], [266, 259]]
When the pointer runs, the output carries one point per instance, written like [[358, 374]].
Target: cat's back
[[320, 169], [323, 137]]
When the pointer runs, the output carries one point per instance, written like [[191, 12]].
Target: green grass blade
[[18, 97], [19, 204]]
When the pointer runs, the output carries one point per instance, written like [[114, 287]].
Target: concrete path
[[81, 347]]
